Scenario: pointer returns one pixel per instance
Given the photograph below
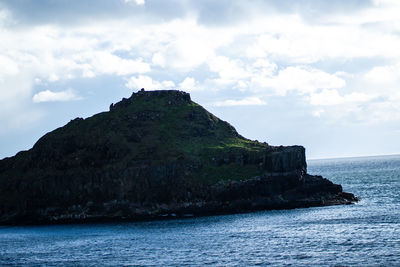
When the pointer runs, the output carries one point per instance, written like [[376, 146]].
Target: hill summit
[[155, 154]]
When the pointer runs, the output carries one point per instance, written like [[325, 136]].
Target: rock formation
[[156, 154]]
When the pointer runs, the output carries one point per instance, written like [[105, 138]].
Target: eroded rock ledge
[[156, 154]]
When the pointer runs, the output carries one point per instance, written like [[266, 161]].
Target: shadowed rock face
[[154, 155]]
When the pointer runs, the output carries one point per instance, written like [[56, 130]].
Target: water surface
[[367, 233]]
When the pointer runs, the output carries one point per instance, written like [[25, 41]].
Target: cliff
[[154, 155]]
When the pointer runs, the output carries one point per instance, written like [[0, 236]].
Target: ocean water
[[364, 234]]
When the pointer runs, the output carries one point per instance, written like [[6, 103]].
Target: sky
[[322, 74]]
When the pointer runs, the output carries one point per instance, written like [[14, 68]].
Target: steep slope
[[154, 154]]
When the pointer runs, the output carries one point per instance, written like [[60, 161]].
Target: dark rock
[[154, 155]]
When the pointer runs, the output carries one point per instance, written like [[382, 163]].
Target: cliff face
[[154, 154]]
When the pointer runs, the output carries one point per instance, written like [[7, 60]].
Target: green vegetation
[[153, 128], [211, 174]]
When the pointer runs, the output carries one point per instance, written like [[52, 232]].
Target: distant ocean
[[364, 234]]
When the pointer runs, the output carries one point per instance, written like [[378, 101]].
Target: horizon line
[[350, 157]]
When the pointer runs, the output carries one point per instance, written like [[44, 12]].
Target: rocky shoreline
[[259, 193]]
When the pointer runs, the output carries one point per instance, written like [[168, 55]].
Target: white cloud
[[137, 2], [158, 59], [241, 86], [357, 97], [332, 97], [189, 84], [148, 83], [301, 79], [183, 44], [168, 84], [265, 66], [227, 69], [383, 74], [103, 62], [318, 112], [14, 94], [326, 98], [382, 11], [344, 74], [53, 77], [291, 38], [50, 96], [248, 101], [8, 66]]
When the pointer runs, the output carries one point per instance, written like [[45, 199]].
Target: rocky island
[[154, 155]]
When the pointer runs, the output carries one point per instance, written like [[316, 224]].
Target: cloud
[[332, 97], [5, 17], [383, 74], [8, 66], [183, 45], [247, 101], [50, 96], [326, 98], [15, 97], [138, 2], [300, 79], [55, 55], [227, 69], [103, 62], [158, 60], [335, 59], [189, 84], [292, 39], [148, 83], [318, 112]]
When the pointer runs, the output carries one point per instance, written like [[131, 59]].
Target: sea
[[363, 234]]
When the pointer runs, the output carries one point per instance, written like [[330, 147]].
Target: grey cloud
[[209, 12], [354, 65], [66, 12], [226, 11]]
